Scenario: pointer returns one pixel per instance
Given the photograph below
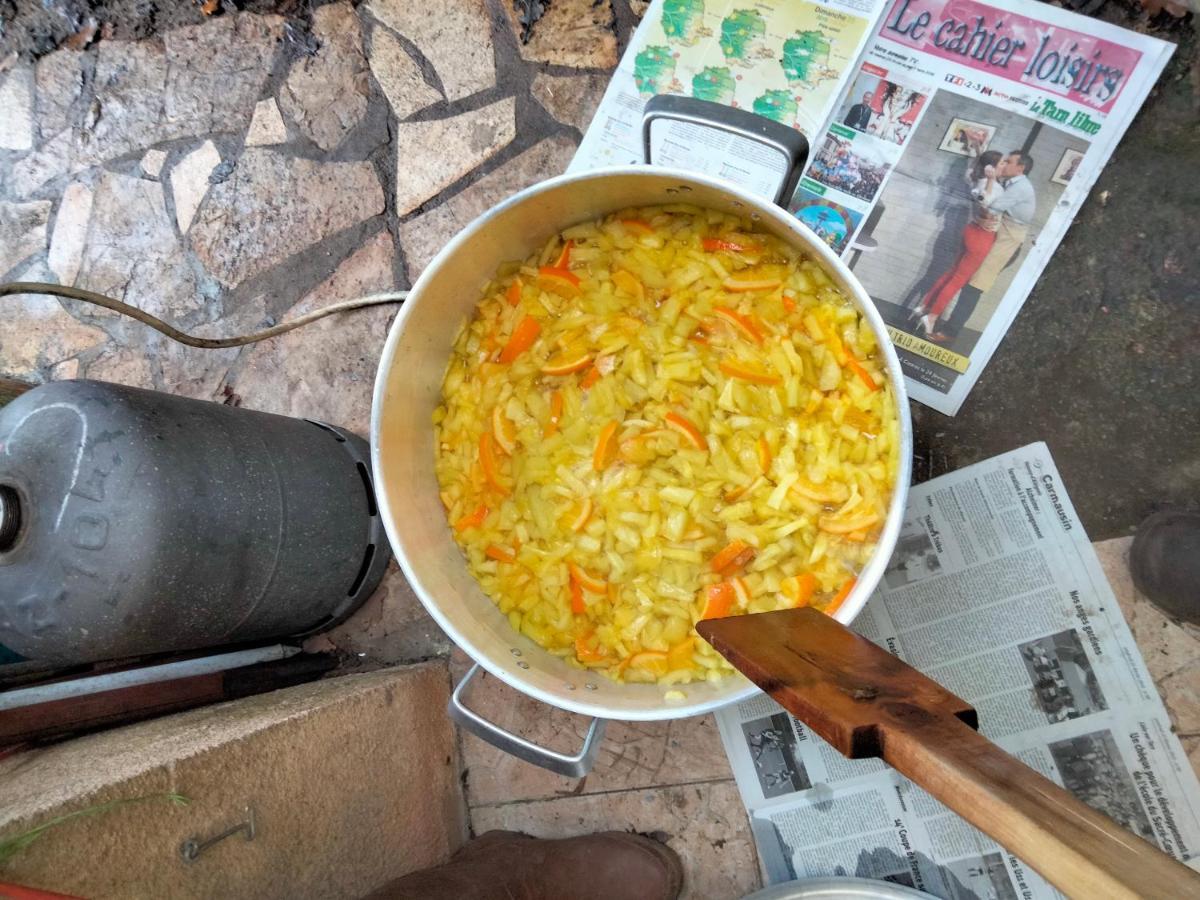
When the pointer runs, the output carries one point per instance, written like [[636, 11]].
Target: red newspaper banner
[[1081, 67]]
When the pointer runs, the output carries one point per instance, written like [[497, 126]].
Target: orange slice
[[586, 580], [577, 605], [606, 447], [504, 431], [735, 494], [840, 597], [718, 600], [556, 408], [764, 454], [800, 588], [743, 324], [472, 519], [732, 556], [522, 339], [500, 554], [559, 281], [753, 284], [847, 524], [829, 492], [737, 369], [861, 421], [713, 245], [655, 662], [585, 513], [629, 283], [566, 363], [678, 423], [586, 653], [862, 373], [513, 294], [637, 450], [680, 656], [487, 459]]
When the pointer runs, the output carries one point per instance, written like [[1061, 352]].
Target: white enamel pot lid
[[408, 389]]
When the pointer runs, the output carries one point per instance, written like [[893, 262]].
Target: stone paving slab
[[571, 99], [130, 222], [16, 109], [274, 206], [423, 236], [326, 371], [399, 75], [458, 46], [22, 231], [326, 94], [570, 33], [464, 142], [37, 333]]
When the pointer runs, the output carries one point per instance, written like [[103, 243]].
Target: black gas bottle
[[135, 522]]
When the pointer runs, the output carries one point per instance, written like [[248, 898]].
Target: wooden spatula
[[866, 702]]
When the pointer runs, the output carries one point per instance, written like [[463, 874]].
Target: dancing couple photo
[[1003, 205], [953, 224]]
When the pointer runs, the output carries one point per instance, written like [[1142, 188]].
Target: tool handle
[[1081, 852], [868, 703], [790, 144], [572, 765]]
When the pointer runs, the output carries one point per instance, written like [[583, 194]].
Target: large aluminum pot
[[408, 387]]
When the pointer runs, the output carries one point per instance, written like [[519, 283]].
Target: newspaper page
[[787, 60], [952, 142], [994, 591], [956, 159]]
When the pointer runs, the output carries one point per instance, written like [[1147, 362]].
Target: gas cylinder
[[135, 522]]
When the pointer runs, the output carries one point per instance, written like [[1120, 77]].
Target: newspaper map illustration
[[780, 59]]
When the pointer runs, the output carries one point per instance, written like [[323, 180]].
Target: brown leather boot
[[506, 865]]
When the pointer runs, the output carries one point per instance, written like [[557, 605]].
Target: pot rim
[[868, 578]]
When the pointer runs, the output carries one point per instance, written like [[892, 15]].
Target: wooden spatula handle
[[867, 703], [1080, 851]]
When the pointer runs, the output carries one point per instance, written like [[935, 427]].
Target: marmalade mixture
[[663, 416]]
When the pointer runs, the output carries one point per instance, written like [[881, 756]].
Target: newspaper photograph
[[963, 146], [994, 591]]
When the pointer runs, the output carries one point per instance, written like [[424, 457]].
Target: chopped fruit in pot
[[660, 417]]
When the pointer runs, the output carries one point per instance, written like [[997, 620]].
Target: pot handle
[[572, 766], [786, 141]]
